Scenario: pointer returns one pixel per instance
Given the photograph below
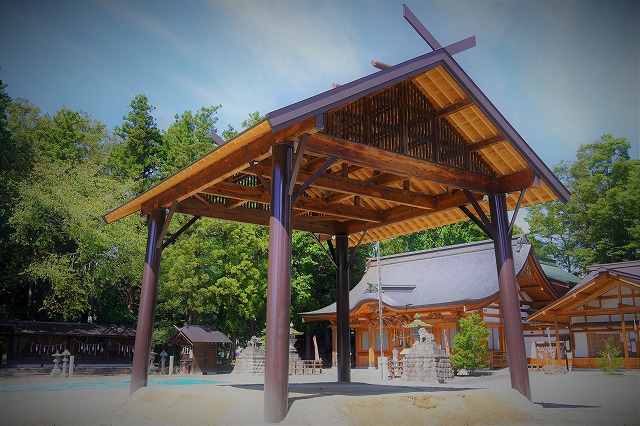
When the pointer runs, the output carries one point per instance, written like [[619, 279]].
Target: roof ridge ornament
[[452, 49]]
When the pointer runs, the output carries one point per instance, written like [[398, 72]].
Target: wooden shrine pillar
[[148, 297], [627, 362], [334, 346], [276, 371], [510, 303], [370, 347], [342, 308], [558, 351]]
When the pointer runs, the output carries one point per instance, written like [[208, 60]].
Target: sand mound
[[469, 408], [227, 405]]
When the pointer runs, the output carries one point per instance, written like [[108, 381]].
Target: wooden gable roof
[[600, 280], [200, 334], [390, 153]]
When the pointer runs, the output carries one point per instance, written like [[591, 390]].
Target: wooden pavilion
[[412, 146], [605, 304]]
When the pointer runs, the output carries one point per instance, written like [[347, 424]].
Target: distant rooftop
[[443, 276], [553, 271]]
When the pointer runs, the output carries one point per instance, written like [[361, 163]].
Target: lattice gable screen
[[401, 119]]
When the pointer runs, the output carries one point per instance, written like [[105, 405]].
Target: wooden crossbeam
[[597, 311], [453, 108], [316, 205], [336, 183], [385, 178], [236, 161], [403, 213], [477, 146], [252, 216], [398, 164]]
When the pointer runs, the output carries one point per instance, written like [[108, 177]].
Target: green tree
[[187, 139], [470, 345], [216, 275], [610, 360], [67, 264], [79, 265], [457, 233], [254, 118], [600, 223], [70, 136], [136, 155], [15, 163]]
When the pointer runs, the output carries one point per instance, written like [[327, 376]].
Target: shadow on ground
[[554, 405], [322, 389]]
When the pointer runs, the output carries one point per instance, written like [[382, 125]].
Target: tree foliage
[[136, 155], [73, 263], [601, 221], [187, 139], [458, 233], [610, 360], [469, 349]]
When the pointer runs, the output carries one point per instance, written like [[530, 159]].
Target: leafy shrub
[[470, 345], [610, 361]]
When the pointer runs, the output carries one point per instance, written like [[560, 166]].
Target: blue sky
[[562, 72]]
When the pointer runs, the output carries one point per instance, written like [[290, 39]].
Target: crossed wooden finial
[[452, 49]]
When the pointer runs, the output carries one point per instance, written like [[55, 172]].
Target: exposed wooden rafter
[[453, 108]]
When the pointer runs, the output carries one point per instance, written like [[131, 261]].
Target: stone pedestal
[[250, 361], [427, 362]]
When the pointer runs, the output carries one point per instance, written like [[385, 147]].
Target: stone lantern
[[163, 356], [65, 361], [56, 360]]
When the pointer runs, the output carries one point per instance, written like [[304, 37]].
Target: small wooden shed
[[199, 348]]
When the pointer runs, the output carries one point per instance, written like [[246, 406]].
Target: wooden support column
[[555, 323], [342, 308], [276, 375], [510, 304], [148, 297], [627, 361]]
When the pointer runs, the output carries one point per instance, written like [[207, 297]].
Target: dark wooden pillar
[[148, 296], [509, 301], [342, 308], [276, 376]]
